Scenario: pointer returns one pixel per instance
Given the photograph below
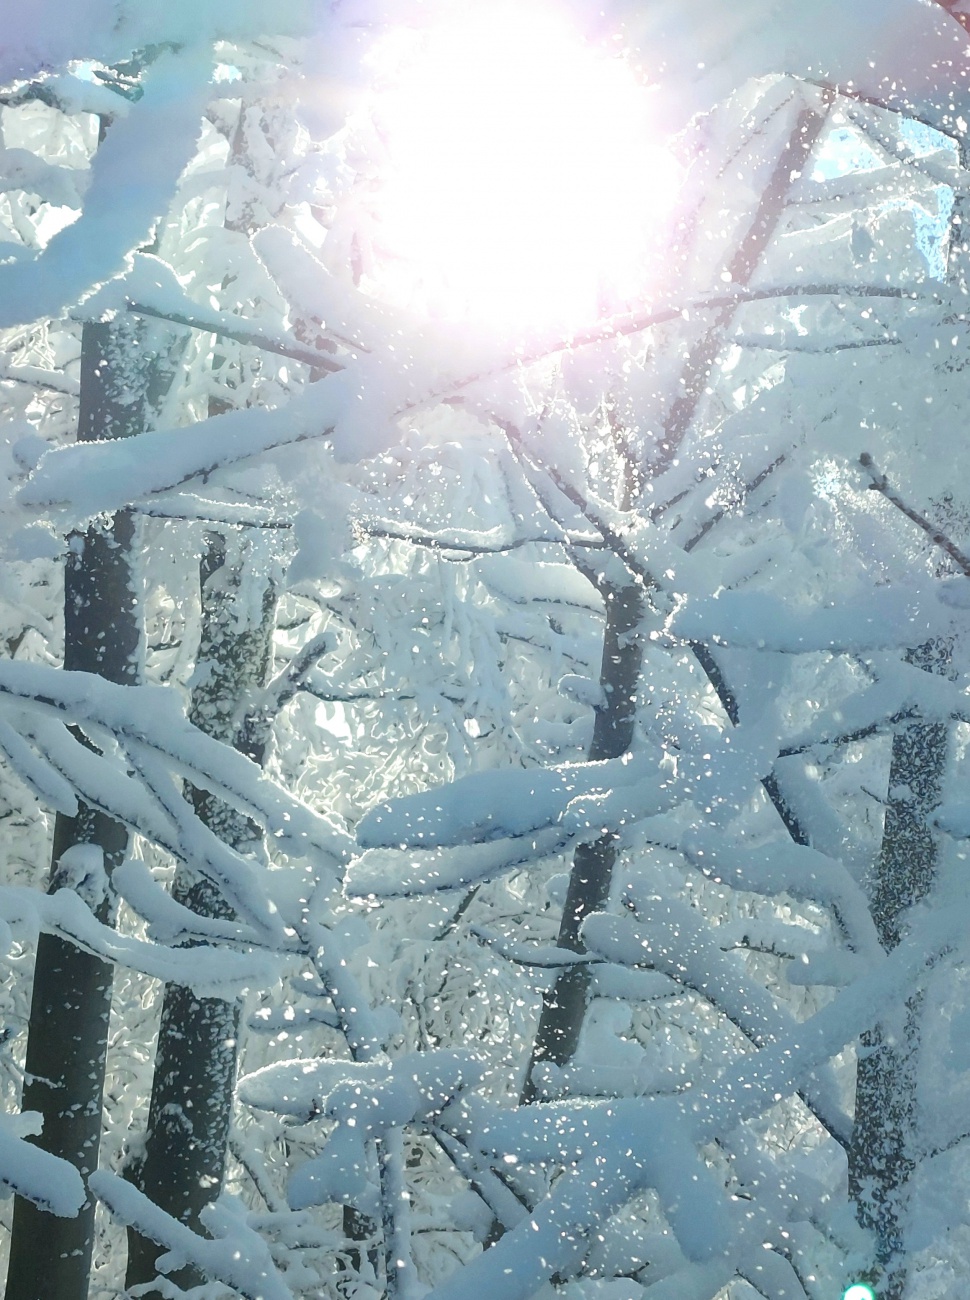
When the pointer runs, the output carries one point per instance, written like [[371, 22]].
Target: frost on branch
[[505, 817], [116, 217], [364, 1100], [234, 1254]]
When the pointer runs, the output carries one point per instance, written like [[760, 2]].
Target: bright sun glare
[[522, 186]]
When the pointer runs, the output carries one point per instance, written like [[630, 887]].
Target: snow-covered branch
[[234, 1255]]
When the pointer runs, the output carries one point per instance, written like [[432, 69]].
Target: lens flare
[[523, 185]]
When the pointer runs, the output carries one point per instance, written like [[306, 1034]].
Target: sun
[[522, 185]]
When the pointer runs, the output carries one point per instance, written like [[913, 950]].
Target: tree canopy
[[483, 703]]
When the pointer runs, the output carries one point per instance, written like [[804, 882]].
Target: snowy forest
[[484, 650]]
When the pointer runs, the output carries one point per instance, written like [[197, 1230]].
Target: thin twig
[[274, 1202], [37, 377], [518, 954], [474, 548], [508, 1206], [153, 513], [698, 987], [217, 325], [769, 343], [702, 653], [909, 113], [849, 737], [881, 484], [701, 354], [291, 680], [452, 924], [372, 697], [630, 323], [718, 515]]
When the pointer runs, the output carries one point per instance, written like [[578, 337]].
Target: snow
[[503, 818], [116, 217], [583, 690], [316, 292], [897, 688], [80, 868], [457, 693], [954, 818], [301, 1088], [630, 1136], [101, 476], [489, 805], [46, 1180], [235, 1255], [52, 33], [161, 745], [778, 864], [906, 53], [366, 1100], [368, 1029], [381, 873], [901, 615], [623, 1147], [480, 807], [169, 922], [523, 581], [340, 1174], [210, 972], [44, 781], [672, 938], [153, 717], [149, 287], [60, 186]]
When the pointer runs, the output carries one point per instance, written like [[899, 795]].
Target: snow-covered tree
[[608, 627]]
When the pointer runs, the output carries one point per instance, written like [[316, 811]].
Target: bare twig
[[217, 324], [247, 1158], [849, 737], [430, 541], [880, 483], [739, 271], [153, 512], [452, 924], [630, 323], [718, 515], [768, 343], [520, 954], [507, 1205]]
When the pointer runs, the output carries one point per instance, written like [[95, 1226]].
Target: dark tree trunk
[[195, 1066], [881, 1155], [564, 1007], [71, 1003]]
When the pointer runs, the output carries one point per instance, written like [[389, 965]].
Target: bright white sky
[[523, 184]]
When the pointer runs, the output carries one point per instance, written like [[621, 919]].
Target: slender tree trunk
[[564, 1007], [881, 1155], [739, 270], [184, 1161], [71, 1003]]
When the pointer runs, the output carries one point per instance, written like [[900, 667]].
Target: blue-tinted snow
[[234, 1254], [53, 1184]]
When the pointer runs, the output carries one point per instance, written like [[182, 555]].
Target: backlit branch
[[472, 549]]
